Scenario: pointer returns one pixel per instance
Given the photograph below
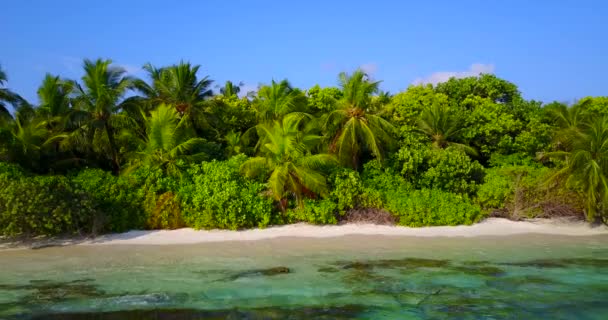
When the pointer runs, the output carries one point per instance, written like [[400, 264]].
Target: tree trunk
[[115, 163]]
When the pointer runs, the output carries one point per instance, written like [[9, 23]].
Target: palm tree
[[285, 159], [278, 99], [568, 121], [233, 143], [443, 127], [55, 102], [177, 85], [26, 141], [353, 126], [168, 141], [586, 165], [7, 97], [230, 90], [54, 95], [97, 103]]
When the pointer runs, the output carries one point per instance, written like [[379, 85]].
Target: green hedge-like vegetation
[[163, 152]]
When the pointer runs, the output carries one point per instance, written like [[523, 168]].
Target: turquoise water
[[351, 277]]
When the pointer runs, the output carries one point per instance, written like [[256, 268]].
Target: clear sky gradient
[[554, 50]]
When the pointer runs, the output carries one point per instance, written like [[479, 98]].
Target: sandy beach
[[488, 227]]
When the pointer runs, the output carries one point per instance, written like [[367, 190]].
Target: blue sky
[[553, 50]]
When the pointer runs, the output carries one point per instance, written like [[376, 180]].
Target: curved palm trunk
[[115, 163]]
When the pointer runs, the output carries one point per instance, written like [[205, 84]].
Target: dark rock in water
[[46, 291], [328, 270], [260, 272], [407, 263], [358, 265], [562, 263], [516, 283], [482, 270], [330, 312]]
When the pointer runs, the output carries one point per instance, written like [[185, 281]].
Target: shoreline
[[488, 227]]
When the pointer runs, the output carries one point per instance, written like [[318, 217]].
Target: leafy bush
[[166, 213], [161, 207], [431, 207], [526, 191], [348, 191], [495, 190], [116, 198], [316, 212], [416, 208], [219, 197], [10, 170], [451, 170], [44, 205], [446, 169], [376, 177]]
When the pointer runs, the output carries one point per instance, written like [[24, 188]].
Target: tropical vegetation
[[110, 152]]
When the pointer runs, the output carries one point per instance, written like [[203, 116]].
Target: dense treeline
[[109, 152]]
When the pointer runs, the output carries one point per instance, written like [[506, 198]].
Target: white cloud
[[442, 76], [369, 68]]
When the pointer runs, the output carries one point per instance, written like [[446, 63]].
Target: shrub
[[526, 191], [451, 170], [166, 213], [44, 205], [348, 191], [219, 197], [416, 208], [446, 169], [431, 207], [495, 190], [116, 198], [10, 170], [161, 206], [375, 177], [316, 212]]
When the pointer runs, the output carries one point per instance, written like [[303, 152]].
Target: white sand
[[489, 227]]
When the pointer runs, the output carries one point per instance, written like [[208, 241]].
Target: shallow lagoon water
[[349, 277]]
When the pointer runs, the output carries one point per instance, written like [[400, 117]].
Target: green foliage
[[231, 114], [278, 99], [486, 86], [286, 161], [447, 133], [376, 177], [594, 106], [497, 189], [446, 169], [169, 142], [316, 212], [11, 171], [406, 106], [44, 205], [353, 128], [161, 206], [451, 170], [431, 207], [525, 190], [323, 99], [166, 213], [116, 198], [349, 192], [418, 208], [219, 197], [586, 165]]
